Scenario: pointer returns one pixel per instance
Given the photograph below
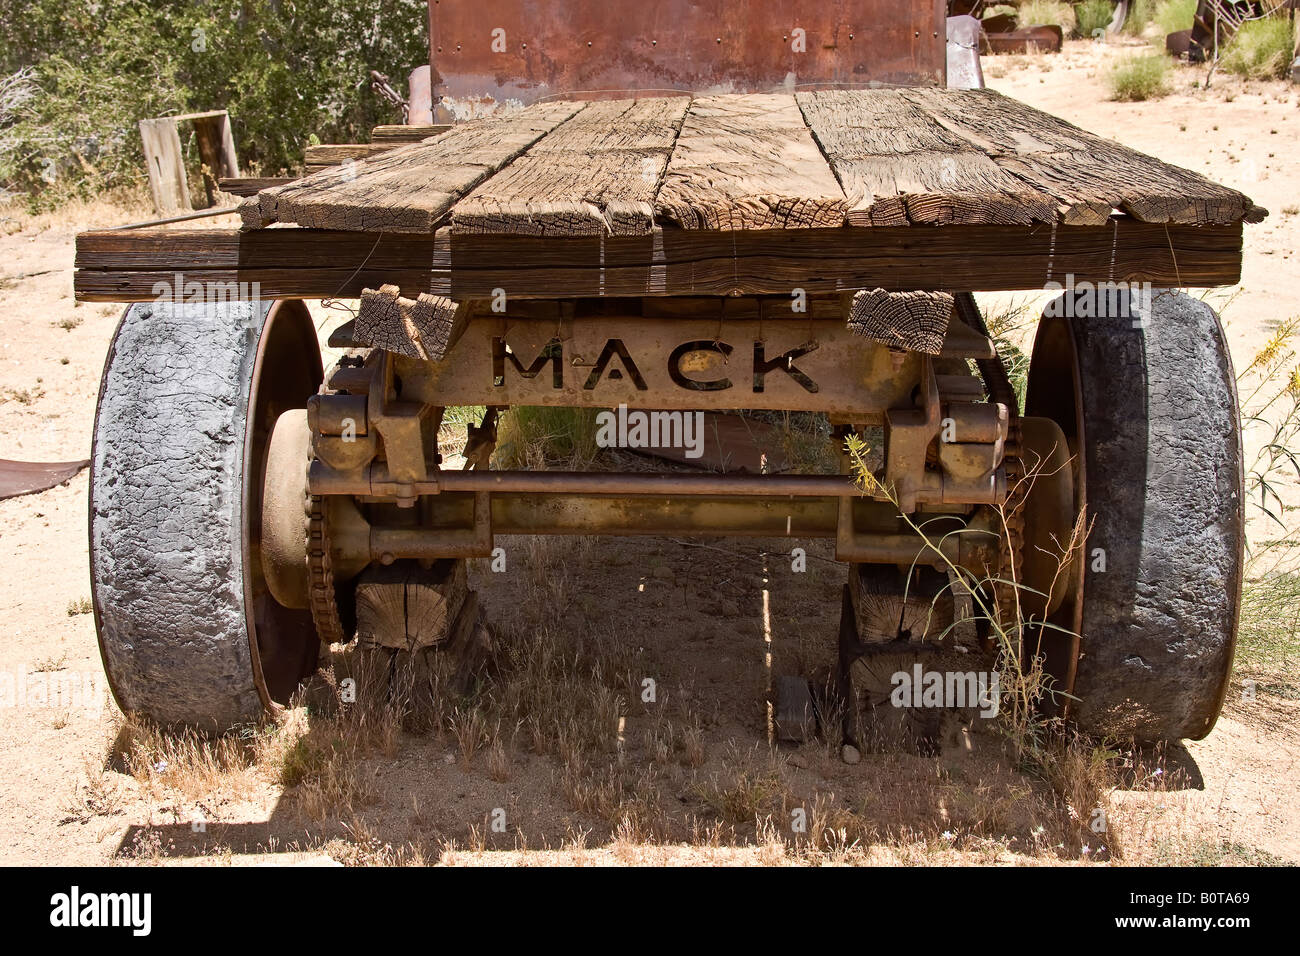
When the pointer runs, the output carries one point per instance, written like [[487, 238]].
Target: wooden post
[[166, 164], [216, 151]]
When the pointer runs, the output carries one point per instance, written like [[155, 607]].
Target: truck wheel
[[1151, 401], [188, 630]]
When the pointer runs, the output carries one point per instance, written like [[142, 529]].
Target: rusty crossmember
[[464, 524], [374, 434]]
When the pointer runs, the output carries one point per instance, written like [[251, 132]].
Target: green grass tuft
[[1093, 17], [1042, 13], [533, 436], [1261, 50], [1175, 15], [1141, 77], [1268, 637]]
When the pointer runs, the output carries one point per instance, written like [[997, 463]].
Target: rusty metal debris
[[28, 477]]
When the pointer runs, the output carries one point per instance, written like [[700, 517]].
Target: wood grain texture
[[1088, 175], [405, 607], [251, 185], [410, 188], [597, 174], [125, 266], [898, 167], [749, 162], [915, 321], [419, 328], [396, 135]]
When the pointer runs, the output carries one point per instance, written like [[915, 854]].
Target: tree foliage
[[285, 70]]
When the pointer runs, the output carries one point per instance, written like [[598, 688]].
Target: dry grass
[[1261, 49], [1140, 77], [1035, 13], [113, 208]]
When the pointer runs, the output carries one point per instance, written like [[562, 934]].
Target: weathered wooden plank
[[410, 188], [216, 142], [897, 166], [166, 165], [1088, 175], [335, 154], [400, 135], [250, 185], [749, 162], [597, 174], [123, 266]]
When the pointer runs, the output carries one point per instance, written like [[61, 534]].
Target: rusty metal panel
[[489, 54], [791, 364]]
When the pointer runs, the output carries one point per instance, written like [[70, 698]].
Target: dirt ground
[[708, 622]]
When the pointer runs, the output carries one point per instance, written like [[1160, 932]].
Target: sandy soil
[[696, 619]]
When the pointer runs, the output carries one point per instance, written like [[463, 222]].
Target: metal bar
[[465, 525], [614, 483], [376, 482], [201, 214], [460, 529]]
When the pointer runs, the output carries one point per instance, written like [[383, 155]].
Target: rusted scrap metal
[[500, 54], [418, 328], [28, 477], [964, 72], [911, 321], [381, 87], [1037, 39]]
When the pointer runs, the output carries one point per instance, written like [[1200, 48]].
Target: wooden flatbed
[[737, 194]]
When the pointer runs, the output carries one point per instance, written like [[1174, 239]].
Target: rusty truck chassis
[[375, 458]]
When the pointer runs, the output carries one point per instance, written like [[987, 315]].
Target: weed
[[1261, 49], [535, 437], [1093, 17], [1036, 13], [1173, 16], [1140, 77]]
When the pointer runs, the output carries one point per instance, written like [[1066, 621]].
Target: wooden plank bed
[[737, 194]]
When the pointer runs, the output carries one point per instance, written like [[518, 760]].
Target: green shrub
[[1140, 77], [1036, 13], [1140, 15], [1093, 17], [1175, 15], [1261, 50], [283, 70], [534, 436]]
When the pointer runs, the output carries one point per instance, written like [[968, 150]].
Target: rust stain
[[509, 53]]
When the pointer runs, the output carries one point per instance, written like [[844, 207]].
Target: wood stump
[[422, 636]]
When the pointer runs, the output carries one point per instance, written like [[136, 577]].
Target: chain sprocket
[[321, 592], [1011, 537]]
